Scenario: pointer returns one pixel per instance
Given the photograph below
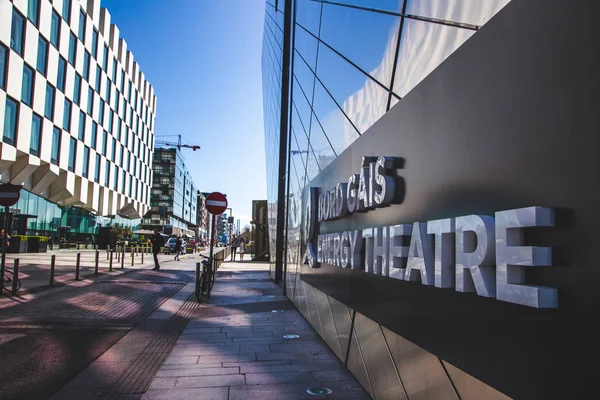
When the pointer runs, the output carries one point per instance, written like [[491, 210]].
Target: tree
[[247, 234]]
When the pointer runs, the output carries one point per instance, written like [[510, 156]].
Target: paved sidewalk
[[231, 347]]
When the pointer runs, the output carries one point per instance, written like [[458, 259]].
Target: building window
[[77, 89], [3, 66], [101, 113], [72, 154], [117, 101], [114, 71], [67, 116], [27, 85], [17, 33], [90, 104], [98, 79], [97, 173], [86, 162], [36, 135], [95, 43], [107, 177], [81, 31], [129, 92], [121, 156], [72, 48], [110, 121], [104, 139], [86, 65], [61, 77], [107, 90], [33, 11], [116, 181], [122, 81], [118, 128], [114, 150], [55, 153], [81, 133], [55, 29], [66, 11], [49, 105], [42, 56], [105, 59], [11, 115], [123, 181], [94, 135]]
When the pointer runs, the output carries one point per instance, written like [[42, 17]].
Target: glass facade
[[55, 29], [11, 116], [27, 85], [17, 33], [3, 64], [36, 135], [351, 61]]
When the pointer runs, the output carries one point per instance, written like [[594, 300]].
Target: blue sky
[[203, 59]]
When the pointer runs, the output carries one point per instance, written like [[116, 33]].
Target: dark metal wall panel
[[356, 364], [509, 120], [313, 310], [380, 367], [329, 333], [342, 318], [470, 388], [422, 373]]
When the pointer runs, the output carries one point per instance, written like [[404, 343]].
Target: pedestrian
[[2, 238], [242, 248], [234, 245], [157, 243], [178, 243]]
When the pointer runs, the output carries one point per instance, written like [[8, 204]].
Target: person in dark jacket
[[157, 243], [234, 245], [178, 244]]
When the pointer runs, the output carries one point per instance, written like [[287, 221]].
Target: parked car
[[170, 246]]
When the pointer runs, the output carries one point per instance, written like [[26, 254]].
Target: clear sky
[[203, 58]]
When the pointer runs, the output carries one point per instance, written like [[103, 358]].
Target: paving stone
[[263, 369], [216, 393], [197, 372], [258, 363], [226, 358], [204, 350], [281, 377], [190, 366], [330, 376], [254, 348], [163, 383], [282, 356], [181, 360], [210, 381]]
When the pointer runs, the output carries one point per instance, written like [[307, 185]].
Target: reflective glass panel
[[55, 152], [42, 55], [27, 85], [86, 162], [308, 14], [86, 65], [366, 38], [33, 10], [66, 10], [97, 172], [81, 132], [11, 114], [90, 101], [94, 138], [36, 135], [77, 89], [55, 29], [81, 30], [72, 48], [67, 116], [72, 154], [17, 33], [61, 74], [3, 66], [476, 12], [424, 46], [95, 43], [49, 103]]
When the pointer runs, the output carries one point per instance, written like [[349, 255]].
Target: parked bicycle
[[206, 280]]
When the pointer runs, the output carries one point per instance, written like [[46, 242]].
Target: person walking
[[178, 248], [157, 242], [234, 245], [242, 248]]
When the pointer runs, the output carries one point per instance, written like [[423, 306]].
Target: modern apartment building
[[77, 117], [433, 192], [174, 197]]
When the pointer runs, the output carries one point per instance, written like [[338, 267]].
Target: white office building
[[76, 112]]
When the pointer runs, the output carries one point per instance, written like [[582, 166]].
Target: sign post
[[216, 204], [9, 196]]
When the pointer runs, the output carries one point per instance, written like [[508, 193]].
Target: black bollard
[[96, 261], [110, 262], [52, 266], [77, 265], [15, 280]]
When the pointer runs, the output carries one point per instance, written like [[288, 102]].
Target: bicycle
[[7, 281], [206, 280]]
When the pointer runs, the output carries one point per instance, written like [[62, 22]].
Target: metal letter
[[397, 253], [337, 249], [364, 188], [512, 258], [341, 208], [344, 250], [356, 247], [380, 250], [367, 235], [475, 255], [443, 230], [384, 185], [420, 256], [351, 193]]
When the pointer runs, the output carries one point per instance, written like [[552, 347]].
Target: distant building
[[174, 197]]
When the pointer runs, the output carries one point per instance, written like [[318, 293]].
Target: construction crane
[[178, 144]]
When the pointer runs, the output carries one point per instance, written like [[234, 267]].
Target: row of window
[[9, 136], [17, 44]]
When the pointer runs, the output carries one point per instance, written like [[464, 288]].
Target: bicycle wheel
[[8, 281]]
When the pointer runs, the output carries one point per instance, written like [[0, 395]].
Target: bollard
[[96, 261], [52, 266], [197, 287], [118, 253], [132, 256], [15, 280], [107, 252], [96, 247], [123, 257], [77, 265], [110, 262], [142, 255]]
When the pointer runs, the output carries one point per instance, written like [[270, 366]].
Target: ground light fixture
[[291, 336], [276, 310], [319, 391]]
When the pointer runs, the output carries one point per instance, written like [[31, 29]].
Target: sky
[[203, 58]]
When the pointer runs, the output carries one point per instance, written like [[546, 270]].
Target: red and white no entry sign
[[9, 194], [216, 203]]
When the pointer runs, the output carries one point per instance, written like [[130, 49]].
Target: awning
[[143, 232], [129, 211]]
